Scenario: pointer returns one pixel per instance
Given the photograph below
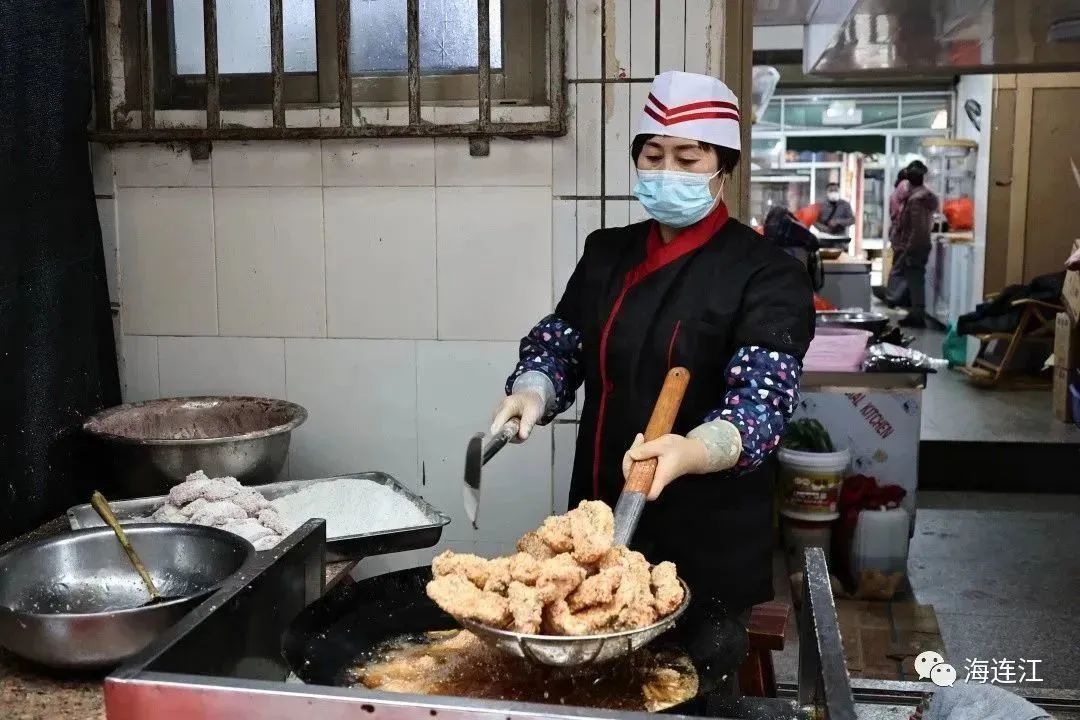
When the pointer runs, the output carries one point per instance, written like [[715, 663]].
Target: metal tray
[[348, 547]]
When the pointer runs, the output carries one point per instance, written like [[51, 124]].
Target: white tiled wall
[[494, 261], [361, 397], [384, 284], [271, 279]]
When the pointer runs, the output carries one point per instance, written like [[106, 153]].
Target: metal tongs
[[477, 455]]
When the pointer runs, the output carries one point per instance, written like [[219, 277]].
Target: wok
[[345, 626], [73, 601]]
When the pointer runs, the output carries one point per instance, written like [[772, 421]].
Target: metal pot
[[74, 601], [156, 444], [858, 319]]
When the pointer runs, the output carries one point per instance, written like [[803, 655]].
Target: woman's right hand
[[527, 406]]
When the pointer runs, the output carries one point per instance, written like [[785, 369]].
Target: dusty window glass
[[377, 39], [244, 36], [377, 36]]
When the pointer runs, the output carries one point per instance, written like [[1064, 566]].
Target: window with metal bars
[[215, 56]]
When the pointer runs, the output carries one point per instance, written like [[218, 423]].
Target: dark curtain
[[57, 354]]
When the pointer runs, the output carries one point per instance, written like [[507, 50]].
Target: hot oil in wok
[[456, 663]]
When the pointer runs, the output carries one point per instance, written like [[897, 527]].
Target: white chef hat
[[688, 105]]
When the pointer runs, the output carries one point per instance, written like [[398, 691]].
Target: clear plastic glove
[[676, 456], [526, 405]]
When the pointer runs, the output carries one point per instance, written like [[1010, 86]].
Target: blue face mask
[[673, 198]]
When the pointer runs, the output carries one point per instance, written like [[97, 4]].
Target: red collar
[[658, 254]]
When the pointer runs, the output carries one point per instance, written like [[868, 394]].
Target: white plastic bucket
[[810, 483], [881, 541]]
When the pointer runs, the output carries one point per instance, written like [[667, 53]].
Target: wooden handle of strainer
[[660, 423]]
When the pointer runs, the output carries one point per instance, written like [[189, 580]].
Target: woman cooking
[[695, 288]]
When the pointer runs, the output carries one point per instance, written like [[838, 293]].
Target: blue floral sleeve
[[554, 349], [763, 389]]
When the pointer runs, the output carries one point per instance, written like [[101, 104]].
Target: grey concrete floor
[[1002, 572], [955, 410]]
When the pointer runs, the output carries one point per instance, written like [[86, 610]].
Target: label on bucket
[[809, 493]]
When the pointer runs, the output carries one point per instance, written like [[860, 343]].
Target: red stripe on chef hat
[[697, 107]]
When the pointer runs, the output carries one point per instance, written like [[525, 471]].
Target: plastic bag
[[954, 348], [885, 357], [960, 213], [808, 215]]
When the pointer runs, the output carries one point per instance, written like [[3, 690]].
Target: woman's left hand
[[675, 455]]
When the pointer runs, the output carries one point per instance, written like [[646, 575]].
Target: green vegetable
[[809, 436]]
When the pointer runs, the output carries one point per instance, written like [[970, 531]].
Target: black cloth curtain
[[57, 353]]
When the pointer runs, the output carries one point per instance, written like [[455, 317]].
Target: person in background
[[901, 190], [835, 216], [910, 241], [785, 231]]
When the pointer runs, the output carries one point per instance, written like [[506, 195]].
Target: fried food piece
[[476, 569], [498, 579], [556, 533], [524, 568], [526, 607], [592, 526], [559, 620], [559, 577], [454, 641], [671, 681], [634, 594], [567, 579], [458, 596], [601, 618], [402, 676], [596, 590], [667, 591], [532, 544]]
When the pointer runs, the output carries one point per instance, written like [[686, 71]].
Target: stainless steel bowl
[[156, 444], [574, 650], [73, 601], [860, 320]]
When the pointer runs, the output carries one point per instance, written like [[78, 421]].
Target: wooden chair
[[998, 351], [757, 677]]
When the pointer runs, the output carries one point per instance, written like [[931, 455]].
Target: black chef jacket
[[642, 307]]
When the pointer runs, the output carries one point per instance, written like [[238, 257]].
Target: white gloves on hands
[[675, 456], [526, 405], [708, 448], [533, 394]]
